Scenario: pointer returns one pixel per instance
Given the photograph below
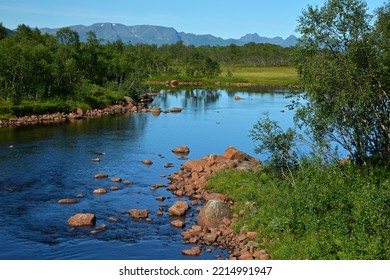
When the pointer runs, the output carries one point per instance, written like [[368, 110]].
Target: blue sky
[[222, 18]]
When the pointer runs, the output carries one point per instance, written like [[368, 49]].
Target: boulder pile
[[214, 222]]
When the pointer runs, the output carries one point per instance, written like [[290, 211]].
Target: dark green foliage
[[275, 142], [343, 62], [332, 212]]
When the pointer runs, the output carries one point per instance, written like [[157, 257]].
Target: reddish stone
[[179, 208], [251, 235], [147, 162], [181, 150], [82, 219], [139, 213], [261, 255], [198, 164], [100, 191], [195, 251], [177, 223], [67, 201], [116, 180], [101, 176]]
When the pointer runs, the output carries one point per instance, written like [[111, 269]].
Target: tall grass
[[324, 213]]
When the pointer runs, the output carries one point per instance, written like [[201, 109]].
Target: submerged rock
[[147, 161]]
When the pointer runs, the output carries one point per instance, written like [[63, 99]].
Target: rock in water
[[67, 201], [213, 213], [181, 150], [139, 214], [82, 219], [147, 162], [101, 176], [195, 251], [179, 208]]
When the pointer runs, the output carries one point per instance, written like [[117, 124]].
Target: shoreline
[[214, 224], [175, 83], [126, 107]]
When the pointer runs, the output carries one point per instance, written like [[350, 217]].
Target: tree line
[[38, 66]]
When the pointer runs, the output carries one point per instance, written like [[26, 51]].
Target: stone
[[160, 198], [238, 98], [127, 182], [197, 165], [139, 213], [214, 196], [147, 162], [95, 160], [100, 191], [177, 223], [80, 112], [114, 188], [261, 255], [175, 110], [245, 256], [173, 83], [73, 116], [156, 110], [101, 176], [112, 219], [179, 208], [251, 235], [231, 153], [67, 201], [195, 251], [116, 180], [99, 228], [213, 213], [181, 150], [210, 237], [82, 219]]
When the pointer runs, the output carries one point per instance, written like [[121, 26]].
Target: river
[[42, 164]]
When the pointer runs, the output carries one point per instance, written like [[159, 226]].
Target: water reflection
[[51, 162], [194, 98]]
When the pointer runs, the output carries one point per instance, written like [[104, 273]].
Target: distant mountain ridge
[[159, 35]]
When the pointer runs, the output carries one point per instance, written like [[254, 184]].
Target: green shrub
[[333, 212]]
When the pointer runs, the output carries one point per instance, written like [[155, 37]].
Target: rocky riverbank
[[214, 223], [123, 107]]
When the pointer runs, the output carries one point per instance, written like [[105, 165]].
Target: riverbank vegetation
[[313, 205], [41, 73]]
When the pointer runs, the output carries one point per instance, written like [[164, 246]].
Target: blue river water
[[51, 162]]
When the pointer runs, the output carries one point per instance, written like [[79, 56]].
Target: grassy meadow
[[272, 75]]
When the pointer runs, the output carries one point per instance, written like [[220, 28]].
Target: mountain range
[[159, 35]]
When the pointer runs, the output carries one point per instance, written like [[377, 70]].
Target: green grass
[[278, 76], [326, 213], [275, 76]]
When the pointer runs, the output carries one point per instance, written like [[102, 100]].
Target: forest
[[41, 73]]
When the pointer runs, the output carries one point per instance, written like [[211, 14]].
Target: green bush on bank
[[332, 212]]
